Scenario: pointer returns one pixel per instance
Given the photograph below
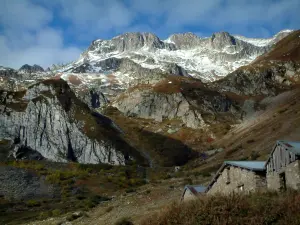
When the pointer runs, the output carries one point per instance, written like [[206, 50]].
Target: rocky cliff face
[[274, 72], [49, 119], [268, 79], [176, 98]]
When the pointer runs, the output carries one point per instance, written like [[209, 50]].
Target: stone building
[[239, 176], [283, 167], [192, 192]]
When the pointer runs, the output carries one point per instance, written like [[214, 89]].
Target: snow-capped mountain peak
[[137, 57]]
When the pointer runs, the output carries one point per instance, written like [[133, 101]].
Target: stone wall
[[273, 181], [292, 177], [188, 195], [234, 179]]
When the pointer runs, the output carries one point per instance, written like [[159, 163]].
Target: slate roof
[[292, 146], [195, 189], [250, 165]]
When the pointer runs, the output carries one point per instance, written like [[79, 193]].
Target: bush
[[109, 209], [33, 203], [130, 190], [250, 141], [188, 181], [75, 216], [44, 215], [254, 155], [253, 209], [124, 221], [56, 212]]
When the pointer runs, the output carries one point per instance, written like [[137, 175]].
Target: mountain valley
[[119, 119]]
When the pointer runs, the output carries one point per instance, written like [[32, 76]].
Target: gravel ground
[[21, 184]]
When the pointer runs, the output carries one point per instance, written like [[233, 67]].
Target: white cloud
[[26, 35], [220, 15], [97, 16], [22, 14], [46, 49]]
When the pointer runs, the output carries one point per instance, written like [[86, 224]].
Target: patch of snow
[[169, 41], [260, 42]]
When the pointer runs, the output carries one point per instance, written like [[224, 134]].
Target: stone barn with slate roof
[[283, 167], [192, 192], [239, 176]]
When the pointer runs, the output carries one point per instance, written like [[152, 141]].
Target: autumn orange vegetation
[[253, 209]]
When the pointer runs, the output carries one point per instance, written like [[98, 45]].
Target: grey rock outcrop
[[93, 98], [49, 119], [173, 68], [31, 69], [129, 42], [187, 105], [20, 184], [266, 79], [151, 105], [7, 72], [186, 40]]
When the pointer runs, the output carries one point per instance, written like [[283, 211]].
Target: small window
[[227, 175], [241, 188]]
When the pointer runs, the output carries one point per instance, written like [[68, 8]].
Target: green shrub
[[44, 215], [33, 203], [130, 190], [56, 212]]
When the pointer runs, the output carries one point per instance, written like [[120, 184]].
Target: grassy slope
[[80, 187], [254, 138]]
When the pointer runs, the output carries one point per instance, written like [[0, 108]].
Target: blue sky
[[57, 31]]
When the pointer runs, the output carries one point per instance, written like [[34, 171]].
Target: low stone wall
[[292, 177], [273, 181], [188, 196]]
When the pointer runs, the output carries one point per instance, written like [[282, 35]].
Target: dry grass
[[176, 84], [254, 209]]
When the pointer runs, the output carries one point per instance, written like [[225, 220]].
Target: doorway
[[282, 181]]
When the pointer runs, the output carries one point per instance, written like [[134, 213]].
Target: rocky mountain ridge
[[205, 58], [152, 94], [48, 120], [133, 58], [270, 74], [31, 69]]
